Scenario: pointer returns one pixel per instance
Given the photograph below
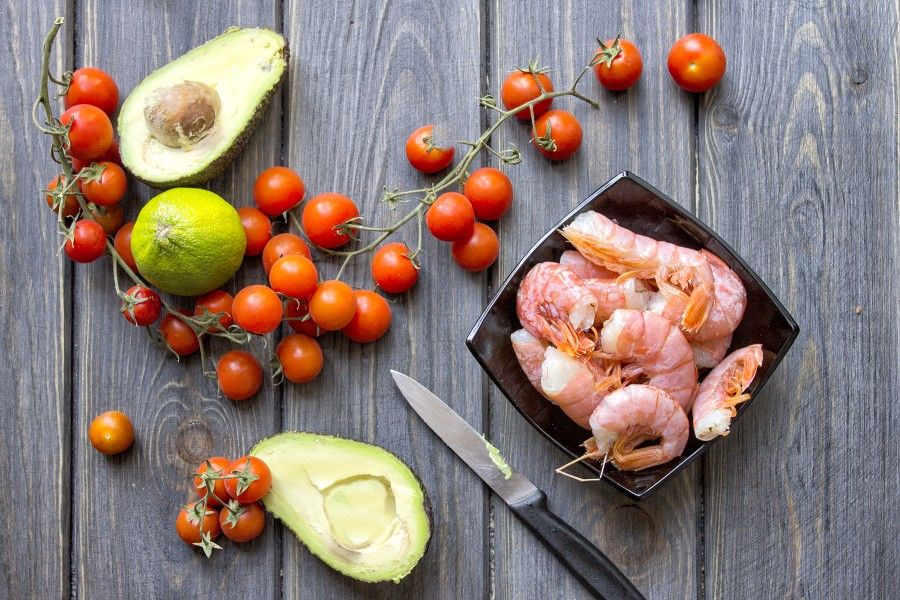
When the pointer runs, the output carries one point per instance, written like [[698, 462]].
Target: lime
[[188, 241]]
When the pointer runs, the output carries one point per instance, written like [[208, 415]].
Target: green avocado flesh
[[239, 70], [356, 506]]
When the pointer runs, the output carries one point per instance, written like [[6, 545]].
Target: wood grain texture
[[648, 130], [35, 295], [798, 169], [365, 75], [125, 545]]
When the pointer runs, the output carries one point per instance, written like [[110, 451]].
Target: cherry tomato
[[300, 357], [216, 302], [490, 191], [122, 244], [450, 217], [242, 522], [620, 64], [141, 306], [70, 205], [557, 134], [257, 309], [254, 481], [239, 374], [90, 131], [332, 305], [322, 214], [282, 245], [217, 495], [92, 86], [87, 242], [278, 190], [111, 155], [110, 218], [294, 275], [257, 228], [520, 87], [179, 335], [372, 318], [424, 155], [191, 526], [479, 251], [111, 432], [392, 269], [696, 62], [296, 312], [109, 188]]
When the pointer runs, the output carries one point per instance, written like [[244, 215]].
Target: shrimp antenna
[[562, 470]]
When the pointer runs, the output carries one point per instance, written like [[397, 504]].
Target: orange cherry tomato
[[620, 65], [450, 217], [282, 245], [301, 357], [215, 492], [257, 309], [392, 269], [257, 228], [239, 374], [372, 318], [109, 188], [216, 302], [70, 205], [332, 305], [520, 87], [191, 527], [490, 191], [479, 251], [111, 432], [424, 155], [248, 491], [294, 275], [179, 335], [122, 244], [110, 218], [321, 216], [696, 62], [557, 134], [278, 190], [247, 524], [297, 313]]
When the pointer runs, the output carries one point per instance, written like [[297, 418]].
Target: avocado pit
[[181, 115]]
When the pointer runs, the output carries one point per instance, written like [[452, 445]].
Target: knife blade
[[586, 561]]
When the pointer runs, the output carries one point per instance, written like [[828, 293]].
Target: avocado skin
[[218, 166]]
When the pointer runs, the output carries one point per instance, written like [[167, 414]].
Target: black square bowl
[[634, 204]]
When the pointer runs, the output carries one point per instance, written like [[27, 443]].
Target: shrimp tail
[[697, 309]]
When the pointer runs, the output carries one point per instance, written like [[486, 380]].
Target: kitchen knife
[[589, 565]]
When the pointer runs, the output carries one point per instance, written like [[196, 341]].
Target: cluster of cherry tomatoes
[[228, 495]]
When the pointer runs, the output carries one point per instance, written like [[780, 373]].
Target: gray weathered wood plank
[[648, 130], [798, 168], [35, 318], [125, 545], [365, 76]]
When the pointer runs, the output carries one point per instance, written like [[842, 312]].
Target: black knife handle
[[584, 559]]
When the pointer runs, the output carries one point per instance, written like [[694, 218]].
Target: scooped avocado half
[[356, 506], [188, 120]]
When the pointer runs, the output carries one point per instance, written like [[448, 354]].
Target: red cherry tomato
[[109, 188], [215, 492], [696, 62], [122, 244], [179, 335], [392, 269], [479, 251], [111, 155], [490, 191], [557, 134], [297, 313], [257, 228], [70, 205], [253, 481], [90, 131], [620, 64], [92, 86], [141, 306], [278, 190], [191, 528], [294, 275], [325, 212], [257, 309], [300, 357], [239, 375], [282, 245], [110, 218], [332, 305], [520, 87], [372, 318], [216, 302], [450, 217], [242, 522], [424, 155], [87, 242]]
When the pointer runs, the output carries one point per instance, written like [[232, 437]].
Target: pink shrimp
[[584, 268], [709, 353], [554, 304], [657, 346], [677, 271], [569, 383], [722, 390], [530, 352], [631, 417], [610, 293], [731, 299]]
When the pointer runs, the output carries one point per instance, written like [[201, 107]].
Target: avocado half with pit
[[188, 120], [356, 506]]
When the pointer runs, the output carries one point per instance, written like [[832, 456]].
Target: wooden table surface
[[792, 159]]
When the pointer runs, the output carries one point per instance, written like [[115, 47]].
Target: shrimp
[[569, 383], [612, 294], [722, 391], [554, 304], [530, 352], [659, 349], [677, 271], [709, 353], [584, 268], [635, 415], [731, 300]]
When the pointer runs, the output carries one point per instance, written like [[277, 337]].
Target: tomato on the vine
[[257, 309], [300, 357], [282, 245], [297, 316], [257, 229], [214, 490], [294, 275], [619, 64], [322, 214], [179, 335], [392, 269], [111, 155], [239, 375], [278, 190], [216, 302], [70, 205], [490, 191], [242, 522], [87, 241], [479, 251], [557, 134], [424, 155], [110, 218], [111, 432], [521, 86], [122, 244], [696, 62], [332, 305], [141, 306], [450, 217], [108, 188], [90, 131], [372, 318], [252, 482], [93, 86], [191, 524]]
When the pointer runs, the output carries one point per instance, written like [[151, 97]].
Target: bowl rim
[[704, 447]]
